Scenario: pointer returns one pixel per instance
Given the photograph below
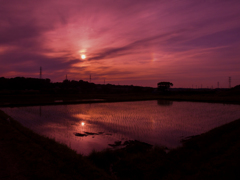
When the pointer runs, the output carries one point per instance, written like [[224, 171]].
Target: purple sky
[[139, 42]]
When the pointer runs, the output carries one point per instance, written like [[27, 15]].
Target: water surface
[[162, 123]]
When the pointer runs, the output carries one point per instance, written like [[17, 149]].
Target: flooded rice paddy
[[96, 126]]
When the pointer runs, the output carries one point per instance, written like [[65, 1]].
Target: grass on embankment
[[13, 100], [212, 155], [26, 155]]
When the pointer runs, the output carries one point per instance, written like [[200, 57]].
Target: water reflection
[[165, 103], [85, 127]]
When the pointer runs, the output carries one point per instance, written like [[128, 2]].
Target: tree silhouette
[[164, 86]]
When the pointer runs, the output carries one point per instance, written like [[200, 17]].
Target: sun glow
[[83, 56]]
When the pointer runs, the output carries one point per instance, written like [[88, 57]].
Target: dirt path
[[10, 164]]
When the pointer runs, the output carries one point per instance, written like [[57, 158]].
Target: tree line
[[66, 86]]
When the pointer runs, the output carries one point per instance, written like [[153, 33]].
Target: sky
[[126, 42]]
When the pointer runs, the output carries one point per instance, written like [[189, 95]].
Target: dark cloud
[[29, 62], [17, 33], [139, 44], [220, 38]]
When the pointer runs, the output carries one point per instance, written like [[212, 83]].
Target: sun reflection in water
[[101, 124]]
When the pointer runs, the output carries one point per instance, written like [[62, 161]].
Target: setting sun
[[83, 56]]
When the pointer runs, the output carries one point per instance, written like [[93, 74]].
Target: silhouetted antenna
[[230, 79], [40, 72]]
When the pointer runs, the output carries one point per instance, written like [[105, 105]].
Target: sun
[[83, 56]]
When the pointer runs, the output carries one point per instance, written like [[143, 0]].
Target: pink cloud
[[138, 42]]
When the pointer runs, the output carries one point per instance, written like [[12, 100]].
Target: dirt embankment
[[26, 155]]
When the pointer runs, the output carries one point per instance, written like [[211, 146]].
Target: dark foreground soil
[[26, 155]]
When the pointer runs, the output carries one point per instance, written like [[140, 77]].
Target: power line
[[40, 72], [229, 79]]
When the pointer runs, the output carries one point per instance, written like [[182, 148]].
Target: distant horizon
[[193, 87], [136, 42]]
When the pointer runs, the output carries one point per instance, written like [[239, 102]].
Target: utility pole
[[230, 79], [40, 72]]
